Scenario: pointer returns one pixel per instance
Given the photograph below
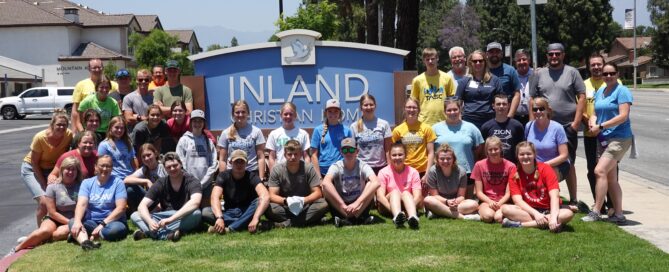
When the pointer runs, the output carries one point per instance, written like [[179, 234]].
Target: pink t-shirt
[[494, 177], [407, 180], [87, 164]]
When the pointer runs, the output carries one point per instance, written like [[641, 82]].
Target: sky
[[251, 21]]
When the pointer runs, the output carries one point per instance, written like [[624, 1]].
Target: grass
[[652, 86], [441, 244]]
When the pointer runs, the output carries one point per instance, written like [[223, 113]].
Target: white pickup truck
[[39, 100]]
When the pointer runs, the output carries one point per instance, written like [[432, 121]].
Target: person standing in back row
[[431, 88], [166, 95]]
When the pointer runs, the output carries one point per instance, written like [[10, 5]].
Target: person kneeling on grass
[[491, 177], [100, 210], [349, 187], [447, 183], [179, 196], [536, 194], [295, 191], [400, 186], [60, 203], [246, 199]]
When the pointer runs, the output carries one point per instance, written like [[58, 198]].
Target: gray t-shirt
[[137, 103], [371, 141], [350, 183], [64, 196], [560, 87], [153, 175], [447, 186], [247, 139], [294, 184]]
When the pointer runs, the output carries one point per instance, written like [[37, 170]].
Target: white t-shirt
[[278, 138]]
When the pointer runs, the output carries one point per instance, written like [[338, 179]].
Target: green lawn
[[442, 244], [652, 86]]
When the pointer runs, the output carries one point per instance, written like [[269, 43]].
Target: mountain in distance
[[208, 35]]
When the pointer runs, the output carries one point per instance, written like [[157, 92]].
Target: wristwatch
[[103, 223], [221, 217], [601, 127]]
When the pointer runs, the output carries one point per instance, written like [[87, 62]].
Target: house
[[622, 54], [187, 41]]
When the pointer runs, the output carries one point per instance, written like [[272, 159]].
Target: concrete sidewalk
[[644, 204]]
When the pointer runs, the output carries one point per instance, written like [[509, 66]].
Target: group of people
[[481, 142]]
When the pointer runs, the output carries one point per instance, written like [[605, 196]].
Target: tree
[[321, 17], [372, 12], [407, 30], [432, 14], [388, 30], [234, 42], [659, 16], [214, 47], [156, 48]]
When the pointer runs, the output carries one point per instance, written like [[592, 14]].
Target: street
[[650, 123]]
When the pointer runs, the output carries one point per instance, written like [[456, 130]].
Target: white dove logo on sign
[[300, 51]]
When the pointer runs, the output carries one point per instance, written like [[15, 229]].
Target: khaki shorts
[[617, 148]]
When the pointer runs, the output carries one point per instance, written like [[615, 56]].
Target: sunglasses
[[608, 74], [345, 150], [143, 80], [477, 61], [539, 109], [554, 54]]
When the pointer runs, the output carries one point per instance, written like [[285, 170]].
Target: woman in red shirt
[[536, 194]]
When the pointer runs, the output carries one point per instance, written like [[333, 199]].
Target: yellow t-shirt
[[50, 153], [86, 87], [431, 92], [591, 87], [415, 138]]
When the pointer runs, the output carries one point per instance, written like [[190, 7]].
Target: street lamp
[[510, 43]]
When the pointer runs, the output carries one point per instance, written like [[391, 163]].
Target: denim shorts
[[28, 176]]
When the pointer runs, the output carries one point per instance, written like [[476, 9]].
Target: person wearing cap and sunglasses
[[166, 95], [136, 103], [295, 194], [123, 79], [245, 199], [86, 87], [326, 138], [349, 187], [564, 88], [198, 154]]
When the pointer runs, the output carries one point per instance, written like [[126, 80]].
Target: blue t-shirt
[[102, 199], [478, 98], [606, 107], [508, 77], [546, 142], [121, 155], [328, 152], [463, 138]]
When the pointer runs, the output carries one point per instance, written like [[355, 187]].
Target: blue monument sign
[[300, 69]]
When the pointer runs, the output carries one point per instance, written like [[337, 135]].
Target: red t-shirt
[[87, 164], [176, 130], [494, 177], [534, 192]]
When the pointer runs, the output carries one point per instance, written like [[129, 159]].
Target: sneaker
[[21, 239], [283, 225], [617, 219], [369, 220], [508, 223], [399, 220], [264, 226], [413, 222], [212, 230], [472, 217], [174, 236], [89, 245], [429, 215], [591, 217], [70, 239], [582, 207], [138, 235], [340, 222]]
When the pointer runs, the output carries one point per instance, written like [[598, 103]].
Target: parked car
[[39, 100]]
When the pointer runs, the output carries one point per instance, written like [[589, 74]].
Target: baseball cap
[[348, 142], [238, 155], [171, 64], [332, 103], [494, 45], [122, 73], [556, 46], [197, 114]]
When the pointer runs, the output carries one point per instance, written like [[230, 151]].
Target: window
[[36, 93], [65, 92]]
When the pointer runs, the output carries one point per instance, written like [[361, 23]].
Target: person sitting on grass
[[246, 199], [295, 191], [447, 183], [179, 196], [100, 210], [60, 201], [349, 187], [400, 186], [150, 170], [491, 178], [535, 193]]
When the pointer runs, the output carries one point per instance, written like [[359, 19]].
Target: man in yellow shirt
[[86, 87], [431, 89]]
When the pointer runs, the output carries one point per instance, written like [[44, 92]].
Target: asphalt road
[[650, 122]]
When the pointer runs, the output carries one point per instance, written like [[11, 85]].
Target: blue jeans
[[237, 219], [185, 224], [114, 231], [135, 195]]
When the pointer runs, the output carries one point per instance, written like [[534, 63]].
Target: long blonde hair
[[125, 138], [232, 129], [362, 100], [470, 65]]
